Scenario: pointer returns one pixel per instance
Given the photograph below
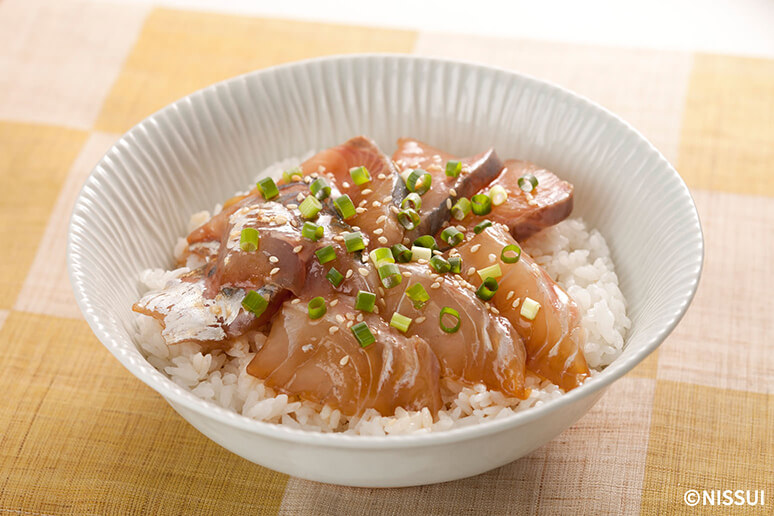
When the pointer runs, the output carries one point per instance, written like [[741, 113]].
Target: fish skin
[[554, 340], [301, 357], [477, 172]]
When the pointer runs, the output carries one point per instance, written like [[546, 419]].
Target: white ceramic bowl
[[199, 150]]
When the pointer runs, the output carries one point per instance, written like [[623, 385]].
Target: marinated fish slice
[[486, 349], [375, 197], [477, 172], [527, 213], [322, 361], [554, 339]]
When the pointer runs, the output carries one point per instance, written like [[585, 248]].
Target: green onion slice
[[419, 181], [426, 241], [312, 231], [448, 311], [360, 175], [363, 334], [310, 207], [354, 241], [344, 206], [400, 322], [418, 295], [413, 201], [456, 264], [365, 301], [326, 254], [335, 277], [452, 236], [255, 303], [498, 194], [381, 255], [527, 182], [481, 226], [421, 253], [481, 204], [316, 307], [401, 253], [507, 257], [440, 265], [453, 168], [487, 289], [249, 240], [493, 271], [529, 308], [408, 218], [268, 188], [461, 208], [292, 174], [390, 275], [320, 188]]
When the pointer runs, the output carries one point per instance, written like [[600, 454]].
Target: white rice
[[576, 257]]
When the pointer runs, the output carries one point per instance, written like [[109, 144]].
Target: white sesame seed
[[344, 359], [315, 175], [350, 316], [435, 285], [359, 317], [422, 261], [345, 184], [453, 192], [448, 204], [338, 238], [360, 210], [437, 252], [475, 248], [492, 257], [367, 191], [333, 329], [420, 320], [494, 310], [300, 197], [339, 318], [348, 274], [334, 302], [382, 240], [406, 274], [292, 206], [295, 301], [471, 271], [394, 209], [387, 199], [461, 228], [364, 257], [298, 248], [378, 231], [274, 271], [293, 223], [307, 180], [321, 168], [376, 204], [381, 291], [363, 271], [362, 203], [273, 259], [381, 219], [281, 220], [381, 176], [350, 323], [516, 302], [509, 296]]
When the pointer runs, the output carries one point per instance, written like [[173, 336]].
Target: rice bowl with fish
[[555, 317]]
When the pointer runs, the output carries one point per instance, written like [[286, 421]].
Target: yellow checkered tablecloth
[[80, 435]]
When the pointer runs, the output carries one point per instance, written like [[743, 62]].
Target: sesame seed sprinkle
[[298, 248], [292, 206], [381, 219], [367, 191], [435, 285], [376, 204], [509, 296], [406, 274], [471, 271], [359, 317], [344, 359], [382, 240], [453, 192], [348, 274], [274, 271], [339, 318], [295, 301], [360, 210], [461, 228], [387, 199], [350, 323], [345, 184], [381, 176], [332, 330], [378, 231], [492, 257], [363, 271], [475, 248], [394, 209], [334, 302], [516, 302], [273, 259], [448, 204], [420, 320], [300, 197]]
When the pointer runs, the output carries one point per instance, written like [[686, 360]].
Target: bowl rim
[[176, 395]]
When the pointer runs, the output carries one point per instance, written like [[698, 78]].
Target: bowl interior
[[200, 150]]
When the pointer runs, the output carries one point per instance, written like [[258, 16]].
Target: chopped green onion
[[363, 334], [320, 188], [360, 175], [344, 206], [446, 310], [255, 303], [493, 271], [487, 289], [510, 258], [498, 195], [365, 301], [249, 239], [316, 307], [326, 254], [335, 277], [312, 231], [453, 168], [408, 218], [419, 181], [461, 208], [413, 201], [529, 308], [426, 241], [481, 204], [418, 295], [400, 322], [381, 255], [456, 264], [481, 226], [292, 174], [527, 182], [354, 241], [310, 207], [401, 253], [452, 236], [439, 265], [390, 275], [268, 188], [420, 253]]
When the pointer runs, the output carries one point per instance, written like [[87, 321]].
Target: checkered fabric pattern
[[80, 435]]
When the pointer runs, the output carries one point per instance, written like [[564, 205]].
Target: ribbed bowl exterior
[[201, 149]]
